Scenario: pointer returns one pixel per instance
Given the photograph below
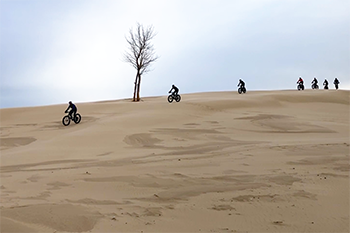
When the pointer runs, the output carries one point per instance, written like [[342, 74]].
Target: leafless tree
[[140, 54]]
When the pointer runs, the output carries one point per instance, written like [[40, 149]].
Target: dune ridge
[[265, 161]]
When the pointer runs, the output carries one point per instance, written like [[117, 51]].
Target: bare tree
[[141, 53]]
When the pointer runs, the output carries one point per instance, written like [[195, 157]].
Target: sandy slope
[[215, 162]]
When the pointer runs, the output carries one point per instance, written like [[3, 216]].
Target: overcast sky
[[53, 51]]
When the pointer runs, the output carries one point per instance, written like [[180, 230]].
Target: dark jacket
[[72, 107]]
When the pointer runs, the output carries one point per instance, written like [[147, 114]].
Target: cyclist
[[325, 84], [314, 82], [336, 83], [300, 81], [241, 84], [175, 88], [73, 109]]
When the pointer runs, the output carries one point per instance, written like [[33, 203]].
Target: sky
[[54, 51]]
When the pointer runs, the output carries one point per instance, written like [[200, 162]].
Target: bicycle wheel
[[77, 118], [66, 120], [170, 98]]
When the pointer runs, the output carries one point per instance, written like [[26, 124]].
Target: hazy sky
[[53, 51]]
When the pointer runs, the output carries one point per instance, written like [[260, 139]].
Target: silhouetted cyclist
[[241, 84], [314, 82], [73, 109], [300, 81], [325, 84], [336, 83], [175, 88]]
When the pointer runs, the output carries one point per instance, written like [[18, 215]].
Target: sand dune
[[266, 161]]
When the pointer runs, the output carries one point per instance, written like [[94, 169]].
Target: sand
[[265, 161]]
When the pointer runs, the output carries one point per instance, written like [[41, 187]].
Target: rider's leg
[[70, 113]]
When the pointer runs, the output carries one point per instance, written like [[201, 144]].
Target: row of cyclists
[[72, 108], [242, 89], [314, 83]]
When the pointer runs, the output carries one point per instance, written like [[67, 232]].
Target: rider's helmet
[[70, 102]]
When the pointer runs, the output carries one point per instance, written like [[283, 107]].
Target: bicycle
[[173, 97], [66, 119]]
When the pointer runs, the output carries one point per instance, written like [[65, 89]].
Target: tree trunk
[[135, 87], [138, 89]]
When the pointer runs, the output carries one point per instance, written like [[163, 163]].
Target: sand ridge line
[[13, 225], [321, 160], [25, 167], [175, 195], [41, 196], [10, 142], [313, 149], [90, 201], [60, 217]]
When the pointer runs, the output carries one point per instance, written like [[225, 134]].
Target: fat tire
[[77, 118], [178, 98], [170, 98], [66, 121]]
